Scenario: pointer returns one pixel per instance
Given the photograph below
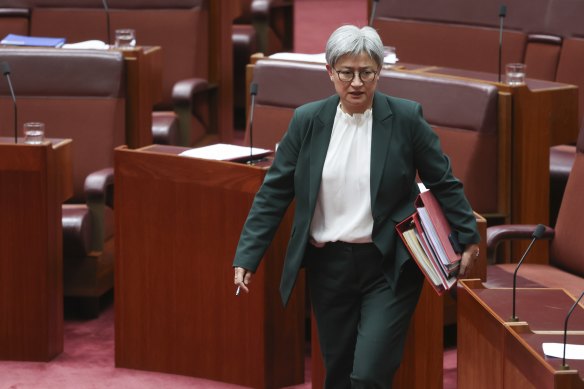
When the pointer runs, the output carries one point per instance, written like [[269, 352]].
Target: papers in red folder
[[426, 236]]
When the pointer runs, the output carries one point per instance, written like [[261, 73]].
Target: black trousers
[[362, 323]]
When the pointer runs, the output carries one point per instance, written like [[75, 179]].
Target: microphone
[[253, 92], [5, 67], [373, 9], [537, 234], [502, 14], [107, 19], [564, 366]]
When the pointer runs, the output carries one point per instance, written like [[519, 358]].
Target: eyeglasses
[[366, 75]]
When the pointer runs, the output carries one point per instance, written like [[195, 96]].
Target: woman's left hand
[[469, 258]]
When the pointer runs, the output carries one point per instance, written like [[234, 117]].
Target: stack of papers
[[225, 152], [426, 234], [91, 44], [321, 58]]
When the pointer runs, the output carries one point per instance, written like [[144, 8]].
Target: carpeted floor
[[88, 363]]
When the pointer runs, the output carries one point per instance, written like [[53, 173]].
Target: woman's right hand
[[242, 278]]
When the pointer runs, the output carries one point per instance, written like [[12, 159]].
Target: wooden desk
[[178, 221], [495, 353], [34, 182]]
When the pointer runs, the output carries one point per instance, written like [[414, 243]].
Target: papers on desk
[[320, 57], [225, 152], [556, 350], [313, 58], [25, 40], [390, 59], [93, 44]]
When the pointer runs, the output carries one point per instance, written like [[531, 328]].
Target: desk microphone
[[107, 20], [6, 72], [373, 10], [502, 14], [564, 366], [253, 92], [537, 234]]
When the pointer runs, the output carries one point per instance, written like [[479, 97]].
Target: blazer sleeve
[[271, 201], [435, 171]]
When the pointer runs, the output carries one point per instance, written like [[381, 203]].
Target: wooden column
[[34, 182]]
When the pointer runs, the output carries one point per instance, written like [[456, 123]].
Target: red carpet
[[88, 363]]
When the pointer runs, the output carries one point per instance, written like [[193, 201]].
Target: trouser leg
[[382, 331], [336, 308], [362, 322]]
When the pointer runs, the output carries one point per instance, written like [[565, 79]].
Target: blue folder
[[24, 40]]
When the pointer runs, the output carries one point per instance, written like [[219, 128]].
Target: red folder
[[441, 274], [441, 225]]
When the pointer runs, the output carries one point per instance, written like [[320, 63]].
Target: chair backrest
[[180, 27], [13, 21], [450, 45], [463, 113], [567, 246], [570, 68], [544, 34], [273, 23], [78, 94], [542, 54]]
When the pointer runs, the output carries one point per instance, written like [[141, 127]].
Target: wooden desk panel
[[143, 90], [527, 366], [178, 221], [495, 353], [34, 181]]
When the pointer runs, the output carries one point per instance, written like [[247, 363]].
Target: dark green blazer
[[402, 145]]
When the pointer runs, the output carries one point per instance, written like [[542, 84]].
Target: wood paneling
[[34, 182], [178, 221]]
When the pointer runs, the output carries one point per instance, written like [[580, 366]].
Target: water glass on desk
[[125, 38], [389, 57], [515, 74], [34, 133]]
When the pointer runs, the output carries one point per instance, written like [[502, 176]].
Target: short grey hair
[[352, 40]]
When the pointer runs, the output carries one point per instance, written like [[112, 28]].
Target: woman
[[350, 162]]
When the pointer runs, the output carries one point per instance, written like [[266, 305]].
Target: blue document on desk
[[24, 40]]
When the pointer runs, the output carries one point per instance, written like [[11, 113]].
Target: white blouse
[[343, 207]]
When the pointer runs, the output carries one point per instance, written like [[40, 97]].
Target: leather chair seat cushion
[[78, 229], [533, 276]]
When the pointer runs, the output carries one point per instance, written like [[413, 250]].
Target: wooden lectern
[[178, 221], [34, 182]]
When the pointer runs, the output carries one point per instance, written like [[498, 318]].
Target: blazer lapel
[[380, 137], [321, 136]]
